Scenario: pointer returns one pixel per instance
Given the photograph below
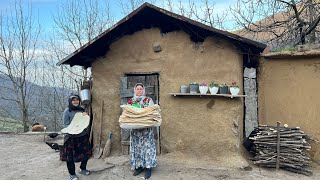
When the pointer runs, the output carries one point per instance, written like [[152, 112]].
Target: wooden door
[[151, 83]]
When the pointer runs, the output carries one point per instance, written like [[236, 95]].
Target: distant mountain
[[7, 107], [45, 104]]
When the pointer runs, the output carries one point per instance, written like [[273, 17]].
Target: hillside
[[10, 125], [46, 104]]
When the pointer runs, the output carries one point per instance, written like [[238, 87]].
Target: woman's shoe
[[85, 172], [147, 174], [73, 177], [137, 171]]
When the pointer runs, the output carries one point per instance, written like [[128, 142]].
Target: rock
[[37, 128], [156, 47]]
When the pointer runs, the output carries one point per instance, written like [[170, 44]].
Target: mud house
[[294, 76], [165, 50]]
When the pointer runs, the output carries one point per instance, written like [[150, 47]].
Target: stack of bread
[[137, 118]]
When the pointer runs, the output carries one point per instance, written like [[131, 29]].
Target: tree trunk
[[25, 120], [23, 104], [311, 16], [55, 112]]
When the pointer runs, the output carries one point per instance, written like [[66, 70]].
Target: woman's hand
[[155, 135], [84, 113]]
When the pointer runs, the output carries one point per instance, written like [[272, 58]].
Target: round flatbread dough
[[78, 124]]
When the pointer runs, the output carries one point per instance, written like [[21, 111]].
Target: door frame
[[125, 150]]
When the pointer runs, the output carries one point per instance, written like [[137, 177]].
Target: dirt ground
[[28, 157]]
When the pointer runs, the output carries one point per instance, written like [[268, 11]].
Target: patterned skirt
[[143, 148], [77, 149]]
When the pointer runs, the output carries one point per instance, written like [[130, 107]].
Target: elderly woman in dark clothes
[[76, 147], [142, 143]]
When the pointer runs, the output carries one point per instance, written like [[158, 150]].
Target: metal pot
[[194, 88], [223, 90], [85, 96], [184, 89]]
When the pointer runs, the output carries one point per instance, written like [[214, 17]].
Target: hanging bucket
[[85, 96]]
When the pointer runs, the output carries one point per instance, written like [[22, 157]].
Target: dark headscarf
[[72, 107]]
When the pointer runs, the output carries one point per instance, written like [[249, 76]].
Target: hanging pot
[[85, 96]]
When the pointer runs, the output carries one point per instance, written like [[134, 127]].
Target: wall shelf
[[200, 95]]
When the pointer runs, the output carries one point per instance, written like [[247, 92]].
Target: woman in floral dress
[[142, 142]]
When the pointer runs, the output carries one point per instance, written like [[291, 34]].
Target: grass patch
[[10, 125], [290, 49]]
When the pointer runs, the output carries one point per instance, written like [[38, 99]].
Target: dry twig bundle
[[293, 148]]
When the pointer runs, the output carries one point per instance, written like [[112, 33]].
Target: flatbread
[[78, 124], [137, 118]]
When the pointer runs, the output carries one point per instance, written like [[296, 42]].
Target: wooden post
[[278, 145], [44, 136]]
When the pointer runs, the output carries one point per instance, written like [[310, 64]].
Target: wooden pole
[[44, 136], [278, 145]]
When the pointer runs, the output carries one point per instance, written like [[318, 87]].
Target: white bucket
[[85, 96]]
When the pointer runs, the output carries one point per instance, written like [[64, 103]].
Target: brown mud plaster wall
[[288, 92], [202, 126]]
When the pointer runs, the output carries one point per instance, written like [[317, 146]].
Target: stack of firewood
[[286, 149]]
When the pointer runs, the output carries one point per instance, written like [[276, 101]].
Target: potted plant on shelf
[[203, 88], [183, 88], [234, 88], [223, 89], [213, 88], [193, 86]]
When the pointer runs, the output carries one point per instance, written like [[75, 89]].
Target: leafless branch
[[278, 22], [18, 42]]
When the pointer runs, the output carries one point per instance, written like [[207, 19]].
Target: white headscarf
[[141, 98], [143, 90]]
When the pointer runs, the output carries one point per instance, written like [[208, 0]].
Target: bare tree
[[127, 6], [18, 41], [205, 12], [78, 22], [62, 81], [202, 11], [279, 22], [57, 85]]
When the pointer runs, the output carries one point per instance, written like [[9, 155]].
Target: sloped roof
[[149, 16]]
